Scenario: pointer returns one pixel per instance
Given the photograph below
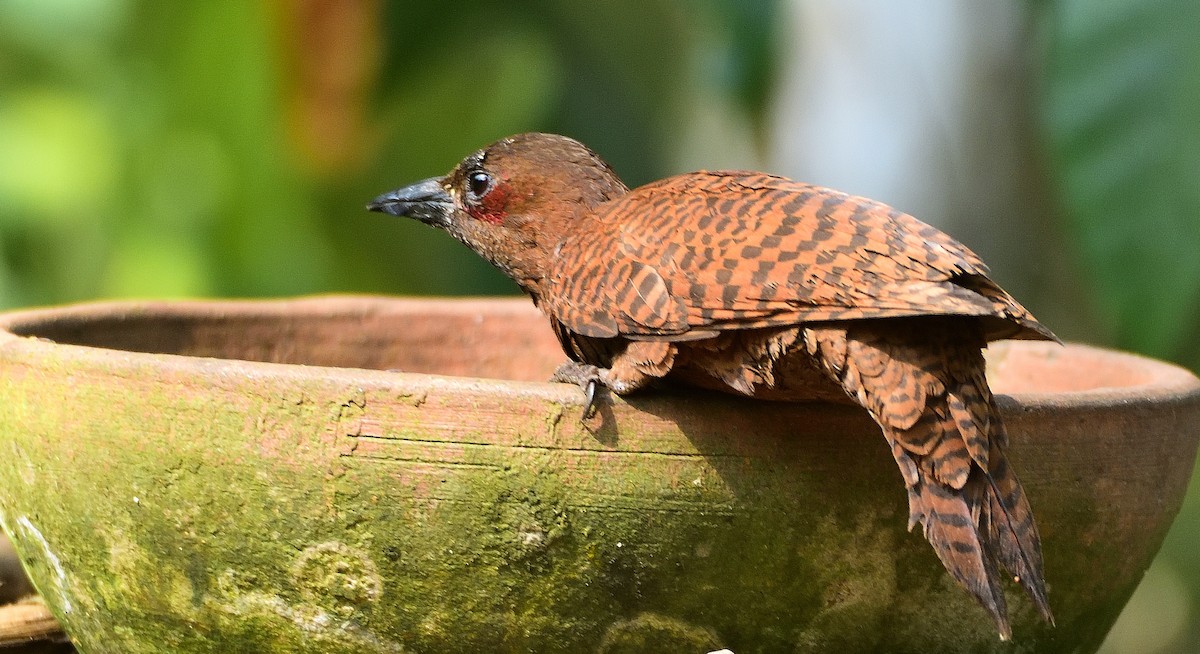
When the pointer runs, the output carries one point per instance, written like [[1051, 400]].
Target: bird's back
[[696, 254]]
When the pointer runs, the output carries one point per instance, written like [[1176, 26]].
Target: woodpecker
[[769, 288]]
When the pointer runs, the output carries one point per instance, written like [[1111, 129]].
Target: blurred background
[[226, 148]]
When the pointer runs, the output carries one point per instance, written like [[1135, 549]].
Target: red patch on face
[[492, 207]]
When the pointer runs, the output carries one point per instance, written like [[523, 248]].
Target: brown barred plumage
[[771, 288]]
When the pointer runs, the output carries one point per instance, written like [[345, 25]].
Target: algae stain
[[168, 589], [651, 632], [338, 576], [336, 584], [304, 623], [856, 571], [28, 471]]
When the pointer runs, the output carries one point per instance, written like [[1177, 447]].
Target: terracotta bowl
[[258, 476]]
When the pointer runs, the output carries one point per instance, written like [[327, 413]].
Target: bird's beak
[[425, 201]]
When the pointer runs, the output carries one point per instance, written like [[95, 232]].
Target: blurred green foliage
[[154, 161], [1122, 115], [226, 148]]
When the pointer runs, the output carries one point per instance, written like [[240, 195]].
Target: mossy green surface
[[163, 511]]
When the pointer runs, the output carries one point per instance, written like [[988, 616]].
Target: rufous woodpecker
[[770, 288]]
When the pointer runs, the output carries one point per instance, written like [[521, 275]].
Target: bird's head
[[514, 201]]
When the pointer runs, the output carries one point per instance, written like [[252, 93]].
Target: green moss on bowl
[[215, 477]]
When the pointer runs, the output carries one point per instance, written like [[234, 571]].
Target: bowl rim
[[1165, 382]]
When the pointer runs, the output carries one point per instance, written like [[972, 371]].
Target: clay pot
[[254, 476]]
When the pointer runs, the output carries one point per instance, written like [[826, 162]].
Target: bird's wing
[[694, 254]]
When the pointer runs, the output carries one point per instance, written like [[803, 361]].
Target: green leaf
[[1122, 114]]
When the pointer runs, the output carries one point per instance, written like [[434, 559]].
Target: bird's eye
[[478, 183]]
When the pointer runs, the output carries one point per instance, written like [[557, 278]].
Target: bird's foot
[[587, 377]]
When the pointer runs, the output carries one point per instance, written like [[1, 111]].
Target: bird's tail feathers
[[926, 388], [1007, 525]]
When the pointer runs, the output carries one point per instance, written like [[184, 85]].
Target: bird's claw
[[589, 406], [587, 377]]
